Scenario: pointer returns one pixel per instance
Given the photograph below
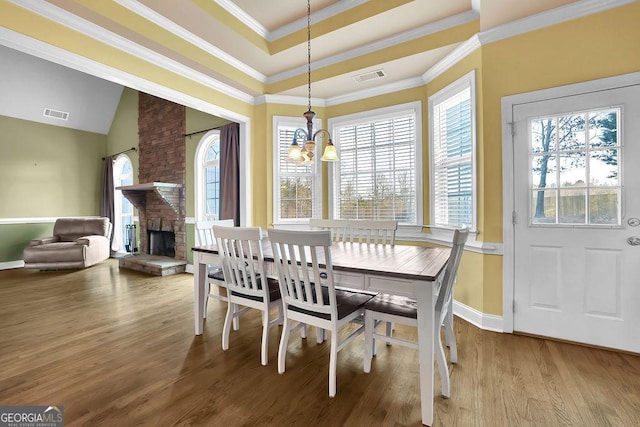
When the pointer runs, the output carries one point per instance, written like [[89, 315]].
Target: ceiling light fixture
[[304, 155]]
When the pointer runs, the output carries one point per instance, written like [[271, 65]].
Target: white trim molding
[[487, 322], [40, 220], [11, 264]]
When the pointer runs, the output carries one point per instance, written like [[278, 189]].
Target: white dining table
[[400, 270]]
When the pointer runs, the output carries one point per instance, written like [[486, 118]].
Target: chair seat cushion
[[394, 305], [216, 275], [274, 290], [347, 302]]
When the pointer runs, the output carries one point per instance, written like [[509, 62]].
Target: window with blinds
[[452, 155], [296, 188], [376, 177]]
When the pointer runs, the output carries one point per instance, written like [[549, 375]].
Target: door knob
[[633, 241]]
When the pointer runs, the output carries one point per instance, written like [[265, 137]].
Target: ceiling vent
[[378, 74], [60, 115]]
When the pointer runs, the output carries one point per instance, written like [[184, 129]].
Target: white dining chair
[[338, 227], [247, 282], [215, 278], [403, 310], [374, 231], [305, 273]]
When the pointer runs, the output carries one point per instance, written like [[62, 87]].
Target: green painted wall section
[[14, 237], [124, 129], [45, 171]]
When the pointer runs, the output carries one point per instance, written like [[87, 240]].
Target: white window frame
[[294, 122], [466, 81], [382, 114], [118, 226], [200, 176]]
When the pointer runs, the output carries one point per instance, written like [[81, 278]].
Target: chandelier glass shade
[[303, 153]]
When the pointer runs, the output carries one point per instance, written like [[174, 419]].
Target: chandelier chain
[[309, 50]]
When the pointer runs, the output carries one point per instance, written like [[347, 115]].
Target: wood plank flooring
[[117, 348]]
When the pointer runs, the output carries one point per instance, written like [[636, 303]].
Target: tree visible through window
[[574, 168], [376, 177], [296, 187]]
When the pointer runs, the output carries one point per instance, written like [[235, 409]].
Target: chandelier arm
[[322, 131]]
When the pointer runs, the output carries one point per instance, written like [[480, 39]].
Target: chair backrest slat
[[372, 231], [242, 259], [338, 227], [300, 258], [451, 270], [204, 230]]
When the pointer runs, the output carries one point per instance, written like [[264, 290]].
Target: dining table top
[[398, 261]]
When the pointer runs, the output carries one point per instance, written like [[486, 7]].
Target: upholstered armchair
[[76, 243]]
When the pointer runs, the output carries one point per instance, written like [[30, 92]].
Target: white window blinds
[[297, 189], [376, 175], [452, 160]]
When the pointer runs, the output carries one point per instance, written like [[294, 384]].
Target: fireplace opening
[[162, 243]]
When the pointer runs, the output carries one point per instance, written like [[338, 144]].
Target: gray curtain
[[107, 208], [230, 172]]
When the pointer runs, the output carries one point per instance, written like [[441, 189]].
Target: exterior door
[[577, 218]]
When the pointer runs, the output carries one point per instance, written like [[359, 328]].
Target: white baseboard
[[11, 264], [488, 322], [189, 268]]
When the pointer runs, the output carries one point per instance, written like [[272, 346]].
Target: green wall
[[46, 171], [123, 133]]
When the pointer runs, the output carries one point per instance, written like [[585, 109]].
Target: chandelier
[[304, 155]]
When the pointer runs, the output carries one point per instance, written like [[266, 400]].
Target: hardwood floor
[[116, 347]]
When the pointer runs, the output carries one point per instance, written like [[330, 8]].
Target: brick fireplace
[[160, 196]]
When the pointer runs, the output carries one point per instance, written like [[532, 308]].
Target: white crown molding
[[54, 54], [389, 42], [375, 91], [548, 18], [158, 19], [89, 29], [552, 17], [244, 17], [319, 16], [452, 58], [289, 100]]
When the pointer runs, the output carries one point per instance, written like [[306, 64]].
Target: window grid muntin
[[556, 151]]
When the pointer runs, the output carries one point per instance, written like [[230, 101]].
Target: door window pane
[[577, 154]]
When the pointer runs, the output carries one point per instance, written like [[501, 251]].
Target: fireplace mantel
[[169, 192]]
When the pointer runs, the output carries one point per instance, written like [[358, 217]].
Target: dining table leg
[[199, 278], [426, 329]]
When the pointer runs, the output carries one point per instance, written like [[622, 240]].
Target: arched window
[[122, 175], [207, 177]]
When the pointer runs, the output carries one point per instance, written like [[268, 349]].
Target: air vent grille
[[378, 74], [55, 114]]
